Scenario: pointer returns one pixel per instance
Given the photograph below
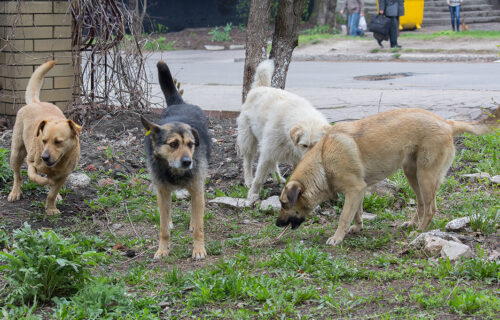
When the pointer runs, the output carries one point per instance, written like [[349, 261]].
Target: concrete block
[[17, 71], [56, 95], [30, 32], [52, 19], [21, 20], [17, 45], [62, 7], [22, 83], [30, 59], [62, 70], [62, 32], [29, 7], [12, 108], [52, 45], [63, 82]]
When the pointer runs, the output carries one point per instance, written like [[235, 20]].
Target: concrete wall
[[40, 33]]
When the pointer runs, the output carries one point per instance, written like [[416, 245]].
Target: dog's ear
[[196, 136], [296, 133], [41, 126], [73, 126], [293, 191], [149, 126]]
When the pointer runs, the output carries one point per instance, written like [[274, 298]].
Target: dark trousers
[[393, 31]]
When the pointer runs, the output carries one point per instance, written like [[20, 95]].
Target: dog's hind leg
[[197, 212], [358, 220], [353, 202], [410, 171], [17, 156], [247, 147], [164, 204]]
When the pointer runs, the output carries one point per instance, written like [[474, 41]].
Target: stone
[[494, 256], [213, 48], [237, 203], [457, 224], [116, 226], [105, 182], [454, 251], [344, 29], [383, 188], [77, 180], [433, 245], [496, 179], [480, 175], [369, 216], [237, 47], [181, 194], [420, 240], [271, 204]]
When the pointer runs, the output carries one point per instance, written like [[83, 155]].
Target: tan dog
[[354, 155], [47, 138]]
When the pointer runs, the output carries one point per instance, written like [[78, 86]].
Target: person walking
[[356, 9], [393, 9], [455, 6]]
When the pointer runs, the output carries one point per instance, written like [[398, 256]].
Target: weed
[[5, 172], [160, 44], [317, 29], [471, 301], [396, 55], [43, 264], [223, 35]]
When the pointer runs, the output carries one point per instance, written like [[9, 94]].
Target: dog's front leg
[[35, 177], [353, 201], [164, 204], [197, 212], [50, 203]]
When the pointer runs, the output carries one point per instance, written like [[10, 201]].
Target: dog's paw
[[52, 211], [332, 241], [199, 252], [14, 196], [355, 229], [160, 253]]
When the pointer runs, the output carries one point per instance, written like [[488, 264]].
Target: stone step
[[482, 7], [428, 22], [467, 14], [443, 2]]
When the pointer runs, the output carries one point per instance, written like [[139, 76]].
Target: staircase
[[436, 12]]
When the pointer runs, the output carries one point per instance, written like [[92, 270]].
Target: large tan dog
[[47, 138], [354, 155]]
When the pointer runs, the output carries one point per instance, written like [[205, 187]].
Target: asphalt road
[[453, 90]]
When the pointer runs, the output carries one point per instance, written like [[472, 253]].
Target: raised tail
[[36, 81], [167, 85], [263, 74], [479, 127]]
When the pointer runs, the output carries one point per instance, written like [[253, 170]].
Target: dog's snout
[[186, 161], [281, 223], [45, 156]]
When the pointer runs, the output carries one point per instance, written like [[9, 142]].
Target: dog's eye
[[44, 141], [305, 146], [174, 144], [190, 144], [57, 141]]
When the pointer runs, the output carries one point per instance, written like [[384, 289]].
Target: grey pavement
[[213, 80]]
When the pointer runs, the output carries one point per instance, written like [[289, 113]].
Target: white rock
[[231, 202], [236, 46], [433, 245], [344, 29], [369, 216], [454, 251], [116, 226], [419, 241], [496, 179], [213, 48], [480, 175], [457, 224], [181, 194], [384, 187], [77, 180], [271, 204]]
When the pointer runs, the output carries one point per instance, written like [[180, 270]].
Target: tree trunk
[[256, 40], [285, 38], [324, 12]]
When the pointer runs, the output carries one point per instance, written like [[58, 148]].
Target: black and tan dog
[[354, 155], [178, 150], [47, 138]]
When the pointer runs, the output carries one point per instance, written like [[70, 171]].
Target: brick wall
[[41, 32]]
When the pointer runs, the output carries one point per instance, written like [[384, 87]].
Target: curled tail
[[167, 85], [479, 127], [36, 81], [263, 74]]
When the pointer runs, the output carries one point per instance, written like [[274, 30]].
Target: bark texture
[[256, 41], [324, 12], [285, 38]]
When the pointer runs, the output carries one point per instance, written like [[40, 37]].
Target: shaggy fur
[[354, 155], [48, 140], [178, 150], [277, 124]]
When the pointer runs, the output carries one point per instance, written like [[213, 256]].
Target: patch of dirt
[[197, 38]]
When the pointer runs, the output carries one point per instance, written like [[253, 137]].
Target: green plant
[[221, 36], [317, 29], [43, 264], [22, 312], [5, 172], [471, 301], [159, 44]]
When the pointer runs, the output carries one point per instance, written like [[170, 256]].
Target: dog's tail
[[36, 81], [167, 85], [263, 74], [479, 127]]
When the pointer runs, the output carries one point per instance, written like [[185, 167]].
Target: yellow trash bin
[[414, 14]]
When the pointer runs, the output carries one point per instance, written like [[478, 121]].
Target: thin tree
[[323, 12]]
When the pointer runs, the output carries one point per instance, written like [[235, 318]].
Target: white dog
[[282, 125]]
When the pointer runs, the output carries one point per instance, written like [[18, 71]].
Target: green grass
[[476, 34], [159, 44]]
